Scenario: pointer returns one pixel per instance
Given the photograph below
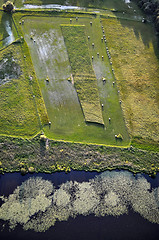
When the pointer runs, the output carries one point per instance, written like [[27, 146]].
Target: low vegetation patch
[[83, 74]]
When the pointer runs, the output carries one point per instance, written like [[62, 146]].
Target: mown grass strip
[[83, 74]]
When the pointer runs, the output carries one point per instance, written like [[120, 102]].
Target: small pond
[[79, 205]]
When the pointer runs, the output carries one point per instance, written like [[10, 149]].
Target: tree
[[8, 6]]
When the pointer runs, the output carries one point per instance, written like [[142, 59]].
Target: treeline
[[151, 7]]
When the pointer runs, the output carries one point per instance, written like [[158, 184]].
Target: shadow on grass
[[95, 124], [144, 30]]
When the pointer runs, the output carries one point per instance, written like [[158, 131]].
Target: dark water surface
[[9, 181], [132, 226]]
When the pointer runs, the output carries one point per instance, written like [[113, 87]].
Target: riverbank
[[44, 155]]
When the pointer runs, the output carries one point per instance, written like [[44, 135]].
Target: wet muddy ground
[[9, 69]]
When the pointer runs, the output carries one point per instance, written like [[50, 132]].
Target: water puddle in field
[[131, 12], [127, 1], [50, 6], [9, 69], [10, 38]]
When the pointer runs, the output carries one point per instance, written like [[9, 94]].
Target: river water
[[79, 205]]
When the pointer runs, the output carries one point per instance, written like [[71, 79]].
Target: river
[[79, 205]]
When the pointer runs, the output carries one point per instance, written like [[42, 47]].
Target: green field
[[50, 59], [23, 112], [18, 112]]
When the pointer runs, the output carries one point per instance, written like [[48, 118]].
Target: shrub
[[119, 136], [8, 6], [31, 169], [23, 171], [43, 138]]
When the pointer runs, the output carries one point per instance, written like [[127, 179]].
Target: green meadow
[[52, 60], [19, 114], [22, 109]]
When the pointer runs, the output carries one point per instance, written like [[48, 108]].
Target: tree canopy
[[8, 6]]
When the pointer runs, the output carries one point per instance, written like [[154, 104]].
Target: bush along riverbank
[[151, 7], [43, 155]]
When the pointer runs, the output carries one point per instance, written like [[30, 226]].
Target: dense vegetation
[[150, 7], [8, 7], [38, 155]]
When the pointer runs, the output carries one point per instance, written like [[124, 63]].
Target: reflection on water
[[38, 204], [10, 38], [49, 6], [127, 1]]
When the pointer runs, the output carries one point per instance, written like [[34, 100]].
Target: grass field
[[50, 59], [22, 110], [133, 47], [84, 78], [18, 114]]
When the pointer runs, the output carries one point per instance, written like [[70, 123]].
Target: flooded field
[[51, 59]]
